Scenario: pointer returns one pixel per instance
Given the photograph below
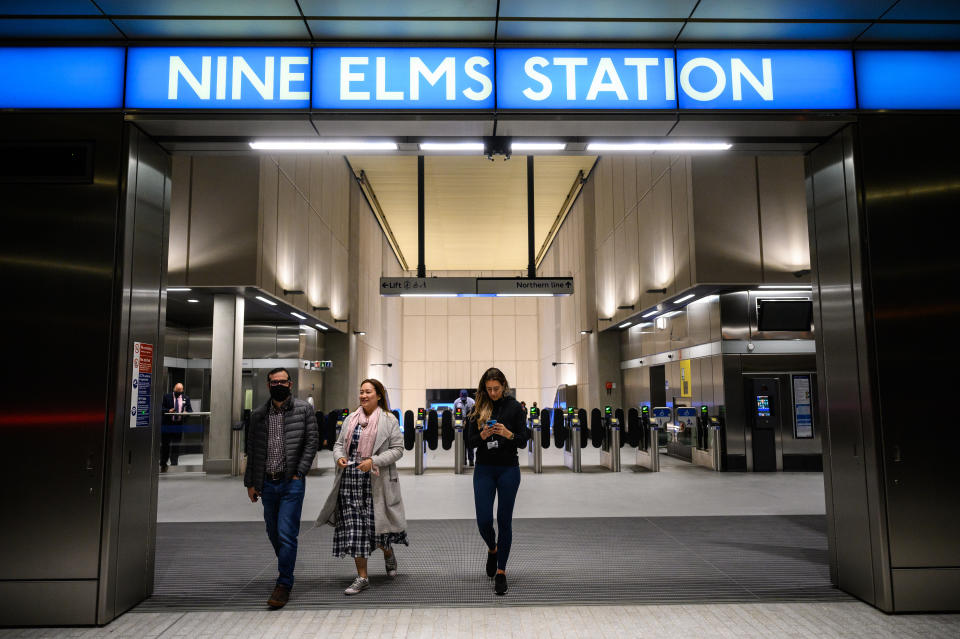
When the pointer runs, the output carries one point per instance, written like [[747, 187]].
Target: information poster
[[141, 393], [802, 407]]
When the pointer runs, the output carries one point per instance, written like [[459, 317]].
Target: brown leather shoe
[[279, 598]]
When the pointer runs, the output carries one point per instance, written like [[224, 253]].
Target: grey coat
[[300, 440], [388, 513]]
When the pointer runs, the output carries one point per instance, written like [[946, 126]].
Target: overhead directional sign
[[479, 287], [525, 287]]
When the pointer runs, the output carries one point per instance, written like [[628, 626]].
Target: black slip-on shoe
[[491, 564], [500, 584]]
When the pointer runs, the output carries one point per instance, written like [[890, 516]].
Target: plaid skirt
[[355, 533]]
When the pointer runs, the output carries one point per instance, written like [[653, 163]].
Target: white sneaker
[[359, 584]]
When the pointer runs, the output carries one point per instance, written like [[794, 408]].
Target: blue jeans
[[282, 504], [501, 482]]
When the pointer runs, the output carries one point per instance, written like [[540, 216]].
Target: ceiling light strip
[[322, 145], [658, 146]]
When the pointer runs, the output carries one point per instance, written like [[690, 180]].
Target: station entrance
[[217, 246]]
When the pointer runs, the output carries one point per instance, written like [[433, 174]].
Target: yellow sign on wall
[[686, 379]]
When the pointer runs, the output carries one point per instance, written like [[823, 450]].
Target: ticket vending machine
[[535, 443], [610, 449], [571, 447], [763, 409], [459, 446], [419, 446]]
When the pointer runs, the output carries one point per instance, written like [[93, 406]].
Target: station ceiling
[[475, 209], [503, 21]]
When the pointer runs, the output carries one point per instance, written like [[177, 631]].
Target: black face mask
[[177, 393], [279, 393]]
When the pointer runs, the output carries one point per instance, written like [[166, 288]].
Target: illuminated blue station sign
[[479, 79], [218, 78], [403, 78]]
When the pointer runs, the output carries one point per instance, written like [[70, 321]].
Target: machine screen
[[763, 406]]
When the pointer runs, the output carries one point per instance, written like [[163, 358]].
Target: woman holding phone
[[497, 428], [365, 505]]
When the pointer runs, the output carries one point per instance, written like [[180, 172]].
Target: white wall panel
[[481, 338], [414, 339], [504, 337]]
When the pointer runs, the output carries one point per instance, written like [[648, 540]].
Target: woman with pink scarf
[[365, 505]]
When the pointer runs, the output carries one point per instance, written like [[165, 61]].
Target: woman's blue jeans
[[501, 482]]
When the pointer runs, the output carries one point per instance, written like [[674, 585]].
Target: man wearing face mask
[[171, 428], [281, 443]]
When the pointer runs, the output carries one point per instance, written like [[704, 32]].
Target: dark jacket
[[168, 403], [299, 436], [509, 412]]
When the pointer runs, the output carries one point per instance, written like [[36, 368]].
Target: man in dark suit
[[170, 430]]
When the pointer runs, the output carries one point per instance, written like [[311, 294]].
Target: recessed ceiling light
[[685, 298], [451, 146], [321, 327], [266, 301], [359, 333], [178, 289], [524, 294], [322, 145], [670, 314], [298, 315], [650, 314], [658, 146], [428, 295], [194, 301], [538, 146], [625, 325]]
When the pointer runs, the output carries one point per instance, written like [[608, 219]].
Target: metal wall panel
[[843, 395], [129, 533], [726, 220], [909, 177], [58, 252], [224, 221], [783, 218]]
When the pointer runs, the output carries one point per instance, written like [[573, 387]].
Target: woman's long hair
[[381, 392], [483, 407]]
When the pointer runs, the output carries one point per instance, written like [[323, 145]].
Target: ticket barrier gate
[[535, 443], [610, 449], [419, 446], [650, 458], [459, 445], [716, 432], [571, 447]]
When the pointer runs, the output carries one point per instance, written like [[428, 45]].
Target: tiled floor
[[680, 489], [849, 620]]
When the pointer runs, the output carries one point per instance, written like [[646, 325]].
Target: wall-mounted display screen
[[784, 315], [763, 405]]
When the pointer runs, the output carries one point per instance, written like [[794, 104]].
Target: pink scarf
[[368, 435]]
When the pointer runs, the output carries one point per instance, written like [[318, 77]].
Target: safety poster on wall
[[802, 407], [141, 392]]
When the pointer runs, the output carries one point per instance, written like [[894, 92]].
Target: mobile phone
[[490, 422]]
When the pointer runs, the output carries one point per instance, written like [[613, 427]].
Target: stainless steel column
[[225, 381], [535, 449], [715, 444], [615, 449], [654, 449], [419, 452], [459, 450], [571, 450]]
